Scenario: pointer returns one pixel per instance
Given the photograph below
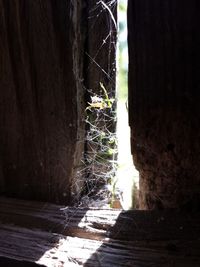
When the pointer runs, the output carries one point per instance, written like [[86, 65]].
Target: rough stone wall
[[164, 109], [40, 83]]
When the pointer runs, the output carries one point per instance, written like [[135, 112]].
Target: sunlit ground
[[77, 251], [70, 251]]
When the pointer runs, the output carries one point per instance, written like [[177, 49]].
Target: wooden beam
[[54, 235]]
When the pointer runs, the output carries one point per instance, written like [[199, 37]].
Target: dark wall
[[40, 120], [53, 56], [164, 100]]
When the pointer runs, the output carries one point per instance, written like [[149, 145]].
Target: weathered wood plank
[[51, 249], [164, 110], [99, 224], [53, 235], [41, 115]]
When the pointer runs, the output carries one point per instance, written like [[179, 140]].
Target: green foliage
[[122, 6], [122, 52], [101, 102]]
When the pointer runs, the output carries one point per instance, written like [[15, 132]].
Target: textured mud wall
[[164, 99], [40, 86]]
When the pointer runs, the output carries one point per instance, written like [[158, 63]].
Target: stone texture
[[164, 100]]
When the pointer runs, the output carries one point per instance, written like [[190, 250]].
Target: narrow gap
[[98, 169], [127, 175], [108, 175]]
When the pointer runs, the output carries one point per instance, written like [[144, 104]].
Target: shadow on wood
[[150, 238], [31, 231], [54, 235]]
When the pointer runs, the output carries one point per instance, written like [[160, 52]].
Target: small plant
[[101, 102], [101, 148]]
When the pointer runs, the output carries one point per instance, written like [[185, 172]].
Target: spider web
[[99, 161]]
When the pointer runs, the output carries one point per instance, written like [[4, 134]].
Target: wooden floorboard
[[52, 235]]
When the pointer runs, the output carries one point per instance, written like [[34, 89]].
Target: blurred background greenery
[[122, 51], [127, 175]]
